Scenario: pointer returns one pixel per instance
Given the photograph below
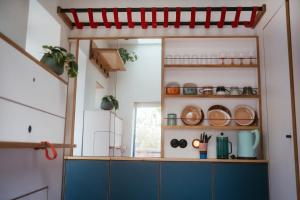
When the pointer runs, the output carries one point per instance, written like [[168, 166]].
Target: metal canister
[[172, 119]]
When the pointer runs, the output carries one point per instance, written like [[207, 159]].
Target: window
[[147, 130]]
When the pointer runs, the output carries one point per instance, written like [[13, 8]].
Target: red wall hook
[[129, 18], [193, 17], [177, 22], [166, 17], [91, 18], [116, 18], [78, 24], [252, 19], [154, 22], [222, 18], [208, 16], [104, 18], [235, 23]]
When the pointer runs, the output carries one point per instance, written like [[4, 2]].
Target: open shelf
[[110, 59], [211, 127], [214, 96], [210, 66], [34, 145]]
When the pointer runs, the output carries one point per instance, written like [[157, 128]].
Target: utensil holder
[[203, 150]]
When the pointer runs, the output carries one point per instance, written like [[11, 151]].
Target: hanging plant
[[127, 56], [109, 102], [58, 59]]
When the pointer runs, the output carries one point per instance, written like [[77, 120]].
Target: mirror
[[126, 71]]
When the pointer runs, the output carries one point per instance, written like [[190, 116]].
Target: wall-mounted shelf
[[214, 96], [210, 66], [212, 127], [34, 145]]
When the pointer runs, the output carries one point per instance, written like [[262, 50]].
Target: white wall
[[13, 20], [141, 82], [42, 29]]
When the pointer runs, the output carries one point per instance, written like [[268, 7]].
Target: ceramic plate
[[244, 115], [192, 115]]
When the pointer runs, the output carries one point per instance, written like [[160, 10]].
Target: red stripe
[[193, 17], [78, 24], [91, 19], [208, 15], [235, 23], [166, 17], [177, 22], [143, 19], [129, 18], [116, 18], [222, 18], [154, 22], [252, 19], [104, 18]]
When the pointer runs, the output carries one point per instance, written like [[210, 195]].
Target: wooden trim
[[34, 145], [25, 53], [65, 18], [158, 37], [211, 127], [259, 15], [209, 160], [260, 101], [293, 101], [162, 101]]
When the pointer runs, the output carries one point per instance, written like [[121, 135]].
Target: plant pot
[[107, 105], [50, 62]]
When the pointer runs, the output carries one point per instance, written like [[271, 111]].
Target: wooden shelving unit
[[214, 96], [210, 65], [32, 145], [178, 68], [212, 127]]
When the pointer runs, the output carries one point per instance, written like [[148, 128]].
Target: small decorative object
[[190, 89], [248, 90], [235, 91], [218, 115], [172, 119], [244, 115], [127, 56], [221, 90], [192, 115], [206, 90], [173, 88], [109, 102], [57, 58], [223, 145], [178, 143]]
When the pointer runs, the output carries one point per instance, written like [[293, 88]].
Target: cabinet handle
[[288, 136], [29, 129]]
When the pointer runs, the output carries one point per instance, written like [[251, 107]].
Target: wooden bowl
[[192, 115], [219, 115], [244, 115]]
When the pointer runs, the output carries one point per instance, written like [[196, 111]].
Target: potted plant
[[109, 102], [127, 56], [57, 58]]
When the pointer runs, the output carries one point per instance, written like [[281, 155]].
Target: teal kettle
[[247, 144]]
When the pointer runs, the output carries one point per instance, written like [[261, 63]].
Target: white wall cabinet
[[102, 130], [32, 100]]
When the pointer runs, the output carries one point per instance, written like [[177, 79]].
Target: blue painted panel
[[134, 180], [185, 180], [241, 182], [86, 179]]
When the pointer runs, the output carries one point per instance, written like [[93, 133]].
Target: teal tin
[[247, 144], [172, 119], [224, 147]]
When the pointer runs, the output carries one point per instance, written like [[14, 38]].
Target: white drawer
[[15, 120], [24, 81]]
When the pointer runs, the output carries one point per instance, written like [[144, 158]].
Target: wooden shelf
[[210, 66], [110, 59], [214, 96], [212, 127], [34, 145]]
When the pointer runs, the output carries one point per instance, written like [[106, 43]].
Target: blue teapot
[[247, 144]]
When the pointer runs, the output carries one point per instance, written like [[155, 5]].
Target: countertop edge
[[164, 159]]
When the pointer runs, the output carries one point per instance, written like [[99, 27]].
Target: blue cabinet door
[[134, 180], [241, 181], [86, 179], [185, 180]]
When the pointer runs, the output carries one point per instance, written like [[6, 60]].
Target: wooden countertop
[[164, 159]]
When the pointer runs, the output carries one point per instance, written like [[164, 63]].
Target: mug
[[249, 91], [206, 90], [235, 91], [221, 90]]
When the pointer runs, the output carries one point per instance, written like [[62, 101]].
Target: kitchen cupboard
[[181, 180], [134, 180], [86, 180], [165, 179], [240, 181]]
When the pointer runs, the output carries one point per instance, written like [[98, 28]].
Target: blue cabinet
[[241, 181], [86, 179], [185, 180], [134, 180]]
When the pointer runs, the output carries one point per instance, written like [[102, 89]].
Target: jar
[[172, 119]]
